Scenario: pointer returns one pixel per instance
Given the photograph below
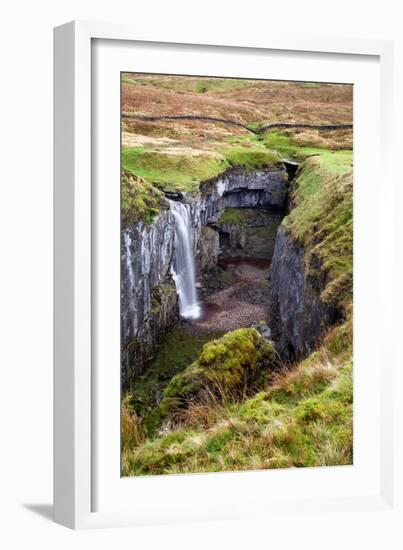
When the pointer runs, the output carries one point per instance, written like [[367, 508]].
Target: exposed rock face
[[253, 235], [146, 255], [296, 293], [208, 249], [146, 259], [240, 189], [236, 189], [163, 314]]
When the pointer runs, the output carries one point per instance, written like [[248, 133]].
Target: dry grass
[[131, 433], [330, 139], [253, 101], [303, 419], [249, 102]]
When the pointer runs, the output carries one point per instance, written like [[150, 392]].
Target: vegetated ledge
[[140, 200], [312, 267], [184, 172], [321, 220], [252, 129]]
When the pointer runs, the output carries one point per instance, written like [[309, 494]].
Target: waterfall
[[183, 267]]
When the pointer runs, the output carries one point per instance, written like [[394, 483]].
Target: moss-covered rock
[[225, 365], [178, 348], [140, 199], [160, 293]]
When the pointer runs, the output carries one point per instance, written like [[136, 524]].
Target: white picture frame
[[80, 429]]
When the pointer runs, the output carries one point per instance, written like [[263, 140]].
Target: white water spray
[[183, 267]]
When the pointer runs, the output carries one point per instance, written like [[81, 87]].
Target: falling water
[[183, 268]]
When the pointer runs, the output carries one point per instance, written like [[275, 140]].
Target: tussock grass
[[302, 418], [188, 84], [131, 432]]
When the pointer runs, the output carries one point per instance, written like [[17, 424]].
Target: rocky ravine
[[149, 299], [149, 303]]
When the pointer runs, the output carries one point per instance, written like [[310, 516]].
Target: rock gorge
[[237, 274], [238, 213], [149, 302]]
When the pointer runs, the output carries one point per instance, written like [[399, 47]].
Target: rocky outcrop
[[208, 249], [146, 260], [162, 315], [236, 188], [236, 361], [296, 291], [252, 232], [147, 251], [146, 255], [240, 189]]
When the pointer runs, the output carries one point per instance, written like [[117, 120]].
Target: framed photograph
[[220, 253]]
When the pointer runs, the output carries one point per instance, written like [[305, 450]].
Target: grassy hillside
[[176, 155], [248, 101], [303, 418]]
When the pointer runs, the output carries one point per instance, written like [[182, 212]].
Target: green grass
[[283, 142], [140, 200], [280, 142], [310, 85], [172, 172], [339, 161], [233, 216], [322, 221], [184, 172], [303, 419], [252, 157]]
